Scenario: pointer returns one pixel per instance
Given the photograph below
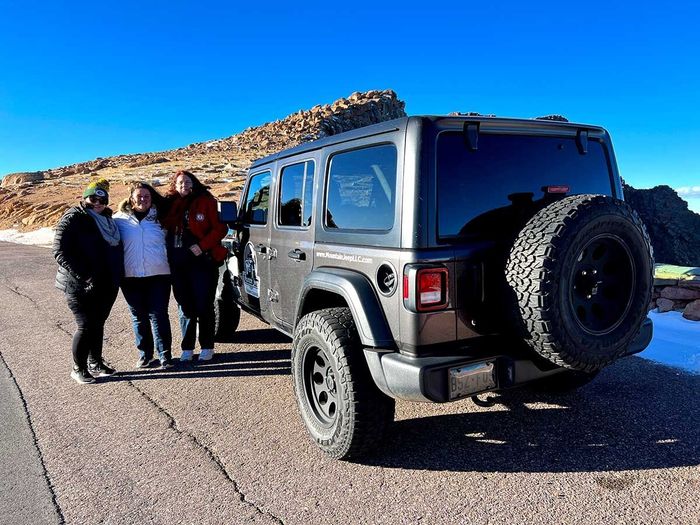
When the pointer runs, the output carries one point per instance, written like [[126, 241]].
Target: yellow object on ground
[[669, 272]]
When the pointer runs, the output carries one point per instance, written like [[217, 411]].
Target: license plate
[[470, 379]]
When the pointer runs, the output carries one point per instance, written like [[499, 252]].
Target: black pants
[[194, 288], [90, 311]]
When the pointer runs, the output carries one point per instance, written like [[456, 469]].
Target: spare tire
[[582, 273]]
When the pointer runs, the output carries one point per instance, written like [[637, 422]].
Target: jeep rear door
[[291, 238]]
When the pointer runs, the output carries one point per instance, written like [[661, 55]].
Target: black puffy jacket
[[85, 260]]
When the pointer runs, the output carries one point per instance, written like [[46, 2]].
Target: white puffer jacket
[[144, 244]]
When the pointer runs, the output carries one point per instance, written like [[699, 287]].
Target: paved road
[[222, 442]]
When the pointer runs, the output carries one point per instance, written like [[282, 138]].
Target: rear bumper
[[427, 378]]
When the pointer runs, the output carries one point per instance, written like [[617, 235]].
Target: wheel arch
[[329, 287]]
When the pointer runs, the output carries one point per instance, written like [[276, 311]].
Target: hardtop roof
[[401, 123]]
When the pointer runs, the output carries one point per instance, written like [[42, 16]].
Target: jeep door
[[292, 238], [254, 242]]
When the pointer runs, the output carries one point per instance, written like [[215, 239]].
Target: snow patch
[[40, 237], [676, 341]]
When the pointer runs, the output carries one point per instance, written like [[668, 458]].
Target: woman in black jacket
[[89, 252]]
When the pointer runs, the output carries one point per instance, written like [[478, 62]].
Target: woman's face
[[183, 185], [141, 200], [98, 203]]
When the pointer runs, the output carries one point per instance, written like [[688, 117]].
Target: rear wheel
[[581, 270], [342, 408]]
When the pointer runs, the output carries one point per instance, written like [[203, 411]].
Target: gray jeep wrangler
[[436, 258]]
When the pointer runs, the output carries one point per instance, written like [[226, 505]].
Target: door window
[[296, 194], [257, 199]]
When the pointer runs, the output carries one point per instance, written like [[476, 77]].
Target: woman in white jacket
[[146, 283]]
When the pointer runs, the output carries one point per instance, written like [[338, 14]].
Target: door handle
[[261, 248], [297, 255]]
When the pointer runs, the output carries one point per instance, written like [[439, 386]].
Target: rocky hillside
[[32, 200], [673, 228]]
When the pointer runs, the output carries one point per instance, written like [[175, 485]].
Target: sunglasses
[[94, 199]]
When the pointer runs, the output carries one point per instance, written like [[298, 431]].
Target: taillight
[[425, 288]]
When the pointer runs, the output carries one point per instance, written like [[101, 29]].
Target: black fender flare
[[360, 297]]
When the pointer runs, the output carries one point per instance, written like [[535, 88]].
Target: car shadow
[[635, 415], [224, 364], [258, 336]]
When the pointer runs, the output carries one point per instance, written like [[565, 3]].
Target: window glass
[[257, 199], [361, 189], [493, 188], [308, 194], [296, 194]]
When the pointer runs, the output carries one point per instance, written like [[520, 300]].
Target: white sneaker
[[206, 354], [186, 355]]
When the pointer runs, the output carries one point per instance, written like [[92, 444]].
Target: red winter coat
[[203, 222]]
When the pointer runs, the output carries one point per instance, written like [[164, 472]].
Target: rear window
[[504, 178]]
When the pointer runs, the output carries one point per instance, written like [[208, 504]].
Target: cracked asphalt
[[222, 441]]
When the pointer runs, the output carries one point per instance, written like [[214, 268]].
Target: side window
[[257, 199], [361, 190], [296, 194]]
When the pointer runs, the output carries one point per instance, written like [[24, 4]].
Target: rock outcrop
[[673, 228]]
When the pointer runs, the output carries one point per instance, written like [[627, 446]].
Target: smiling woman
[[88, 248]]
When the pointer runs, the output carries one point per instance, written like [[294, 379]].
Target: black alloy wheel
[[602, 278], [321, 388]]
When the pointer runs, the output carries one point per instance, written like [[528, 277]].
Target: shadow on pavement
[[636, 415], [259, 336], [225, 364]]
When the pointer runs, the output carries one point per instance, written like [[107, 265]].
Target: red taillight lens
[[431, 288], [405, 287]]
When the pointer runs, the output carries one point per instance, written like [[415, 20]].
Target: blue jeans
[[194, 288], [148, 299]]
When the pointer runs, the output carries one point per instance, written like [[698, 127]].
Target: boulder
[[677, 293], [664, 305], [692, 311], [19, 179]]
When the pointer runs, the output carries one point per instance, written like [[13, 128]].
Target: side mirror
[[228, 214]]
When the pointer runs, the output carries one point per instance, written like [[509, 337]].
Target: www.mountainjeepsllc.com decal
[[251, 281]]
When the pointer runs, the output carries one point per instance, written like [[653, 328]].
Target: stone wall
[[677, 288]]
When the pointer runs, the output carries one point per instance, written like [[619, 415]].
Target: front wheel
[[342, 408], [227, 315]]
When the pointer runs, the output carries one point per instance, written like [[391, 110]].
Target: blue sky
[[80, 80]]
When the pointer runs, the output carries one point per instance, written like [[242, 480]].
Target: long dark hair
[[157, 200], [197, 187]]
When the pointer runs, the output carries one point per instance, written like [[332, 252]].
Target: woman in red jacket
[[195, 254]]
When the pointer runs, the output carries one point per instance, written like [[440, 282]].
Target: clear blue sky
[[80, 79]]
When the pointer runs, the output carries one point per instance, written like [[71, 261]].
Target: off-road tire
[[328, 363], [573, 316]]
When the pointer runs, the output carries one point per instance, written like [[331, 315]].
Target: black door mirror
[[228, 214]]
